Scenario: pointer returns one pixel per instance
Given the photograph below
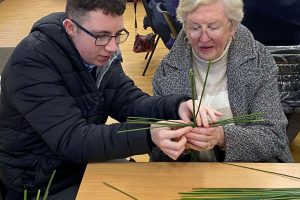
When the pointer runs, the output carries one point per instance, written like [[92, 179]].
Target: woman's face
[[208, 30]]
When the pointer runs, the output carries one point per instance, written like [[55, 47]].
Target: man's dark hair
[[75, 9]]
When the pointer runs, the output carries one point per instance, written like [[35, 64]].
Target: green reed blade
[[38, 195], [160, 123], [140, 129], [113, 187], [146, 118], [204, 85], [48, 186], [192, 81], [25, 194], [275, 173]]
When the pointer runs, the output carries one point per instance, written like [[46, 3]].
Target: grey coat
[[252, 87]]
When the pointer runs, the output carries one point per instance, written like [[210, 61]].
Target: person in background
[[57, 90], [242, 80], [273, 22]]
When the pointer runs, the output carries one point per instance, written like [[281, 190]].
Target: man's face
[[208, 30], [98, 24]]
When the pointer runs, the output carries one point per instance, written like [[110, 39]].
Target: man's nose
[[112, 46]]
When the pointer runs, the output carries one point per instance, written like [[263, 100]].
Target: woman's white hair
[[233, 9]]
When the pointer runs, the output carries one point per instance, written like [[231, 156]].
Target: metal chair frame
[[149, 16], [169, 19]]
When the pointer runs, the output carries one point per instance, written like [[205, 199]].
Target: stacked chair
[[287, 59]]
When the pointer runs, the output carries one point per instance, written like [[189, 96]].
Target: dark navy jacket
[[52, 115]]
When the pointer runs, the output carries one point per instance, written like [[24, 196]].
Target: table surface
[[165, 180]]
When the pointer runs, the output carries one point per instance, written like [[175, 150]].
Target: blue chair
[[170, 21], [146, 25]]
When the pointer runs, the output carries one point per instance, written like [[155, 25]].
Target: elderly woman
[[242, 80]]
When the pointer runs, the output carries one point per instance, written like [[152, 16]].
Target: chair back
[[149, 15], [168, 18]]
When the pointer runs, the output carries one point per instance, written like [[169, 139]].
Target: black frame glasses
[[102, 40]]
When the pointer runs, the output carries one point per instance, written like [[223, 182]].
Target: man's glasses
[[211, 31], [102, 40]]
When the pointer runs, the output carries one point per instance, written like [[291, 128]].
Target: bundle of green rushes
[[232, 193], [45, 196], [244, 193], [243, 119], [241, 193]]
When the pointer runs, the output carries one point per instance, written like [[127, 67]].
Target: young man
[[58, 88]]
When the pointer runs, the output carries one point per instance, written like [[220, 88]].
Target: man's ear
[[69, 27]]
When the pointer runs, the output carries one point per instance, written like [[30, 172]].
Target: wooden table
[[165, 180]]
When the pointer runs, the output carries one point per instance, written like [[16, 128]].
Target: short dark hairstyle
[[75, 9]]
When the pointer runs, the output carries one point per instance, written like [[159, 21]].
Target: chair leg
[[146, 55], [152, 52]]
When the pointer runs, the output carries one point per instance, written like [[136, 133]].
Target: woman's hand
[[205, 138], [186, 113]]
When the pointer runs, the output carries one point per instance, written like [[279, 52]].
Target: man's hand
[[186, 113], [171, 142]]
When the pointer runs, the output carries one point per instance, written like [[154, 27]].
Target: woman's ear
[[69, 27]]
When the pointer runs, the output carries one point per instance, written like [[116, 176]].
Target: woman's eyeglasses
[[211, 31]]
